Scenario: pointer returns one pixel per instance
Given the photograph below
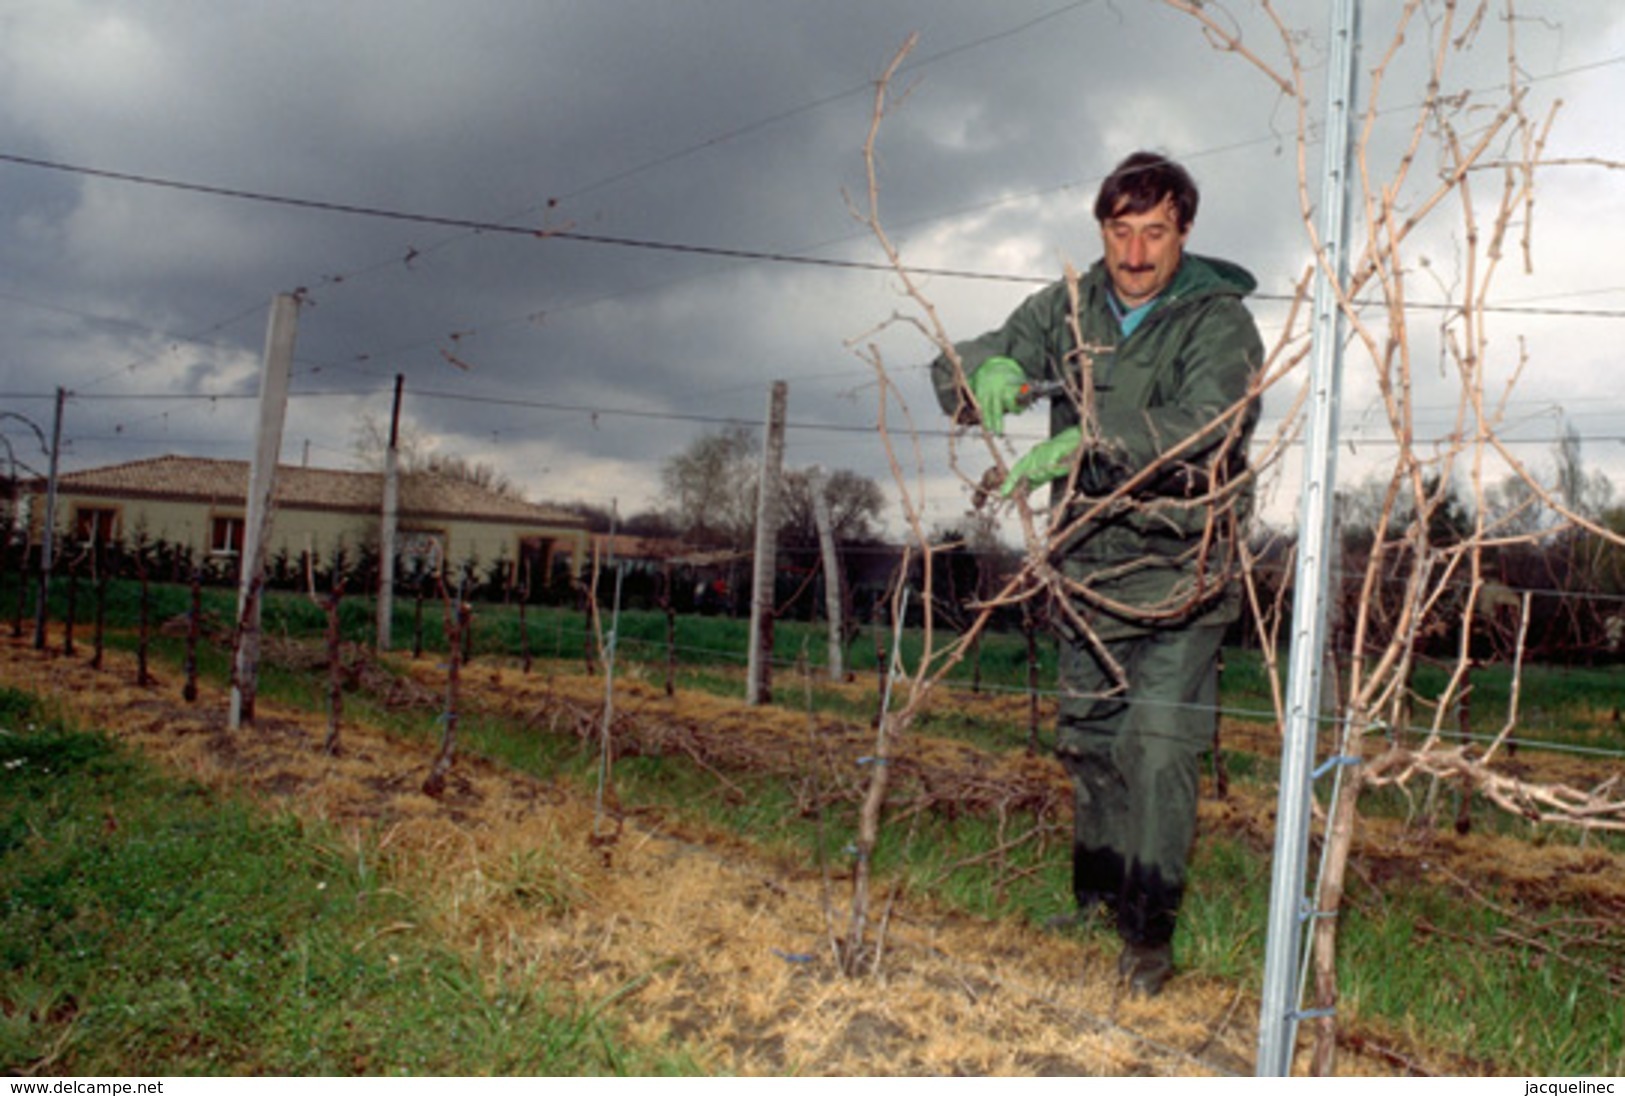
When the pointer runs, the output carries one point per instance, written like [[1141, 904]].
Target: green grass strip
[[154, 927]]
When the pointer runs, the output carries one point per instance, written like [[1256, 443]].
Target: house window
[[226, 536], [94, 524]]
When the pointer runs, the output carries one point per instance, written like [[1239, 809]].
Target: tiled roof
[[203, 480], [623, 546]]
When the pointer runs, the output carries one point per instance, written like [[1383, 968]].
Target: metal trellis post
[[1279, 1011]]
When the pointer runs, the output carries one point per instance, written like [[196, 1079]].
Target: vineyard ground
[[692, 936]]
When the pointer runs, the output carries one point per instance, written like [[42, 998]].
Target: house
[[637, 553], [201, 504], [659, 571]]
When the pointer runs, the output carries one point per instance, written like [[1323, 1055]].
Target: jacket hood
[[1202, 273]]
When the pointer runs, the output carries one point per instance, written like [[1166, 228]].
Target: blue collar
[[1130, 318]]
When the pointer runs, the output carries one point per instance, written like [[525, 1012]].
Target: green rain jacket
[[1170, 548]]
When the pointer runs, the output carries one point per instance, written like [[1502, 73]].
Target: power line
[[476, 227], [659, 161], [671, 247], [867, 87], [596, 411], [770, 120], [492, 227]]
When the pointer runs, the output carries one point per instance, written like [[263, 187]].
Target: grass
[[1500, 1007], [1458, 992], [1575, 706], [1226, 909], [1465, 992], [1577, 1025], [152, 927], [1488, 991]]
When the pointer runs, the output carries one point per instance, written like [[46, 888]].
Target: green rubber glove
[[1048, 460], [997, 385]]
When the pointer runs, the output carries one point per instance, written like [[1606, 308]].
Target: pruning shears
[[1033, 391], [1027, 395]]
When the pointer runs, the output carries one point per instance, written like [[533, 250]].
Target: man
[[1147, 503]]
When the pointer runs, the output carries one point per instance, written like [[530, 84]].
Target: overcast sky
[[657, 135]]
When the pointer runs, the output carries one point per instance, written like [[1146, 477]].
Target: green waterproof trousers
[[1134, 756]]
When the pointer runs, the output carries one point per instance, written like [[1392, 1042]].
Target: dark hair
[[1140, 184]]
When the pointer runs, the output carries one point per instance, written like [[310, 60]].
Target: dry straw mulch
[[694, 939]]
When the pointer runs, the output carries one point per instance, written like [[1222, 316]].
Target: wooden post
[[99, 556], [759, 682], [335, 667], [881, 669], [48, 534], [457, 617], [1029, 631], [22, 586], [279, 337], [669, 607], [143, 675], [417, 621], [589, 593], [71, 613], [388, 522], [524, 626], [194, 630], [832, 575]]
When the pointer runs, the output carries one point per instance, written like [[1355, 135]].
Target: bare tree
[[462, 470], [711, 487], [418, 457], [855, 502], [370, 441]]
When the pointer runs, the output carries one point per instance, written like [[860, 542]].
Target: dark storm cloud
[[723, 124]]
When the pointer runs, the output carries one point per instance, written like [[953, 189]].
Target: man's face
[[1143, 251]]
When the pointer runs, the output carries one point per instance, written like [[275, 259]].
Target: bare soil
[[702, 941]]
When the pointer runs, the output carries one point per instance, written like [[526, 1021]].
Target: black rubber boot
[[1146, 967], [1094, 909]]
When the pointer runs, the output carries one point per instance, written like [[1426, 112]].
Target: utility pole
[[279, 336], [759, 672], [388, 521], [1290, 911], [48, 536]]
